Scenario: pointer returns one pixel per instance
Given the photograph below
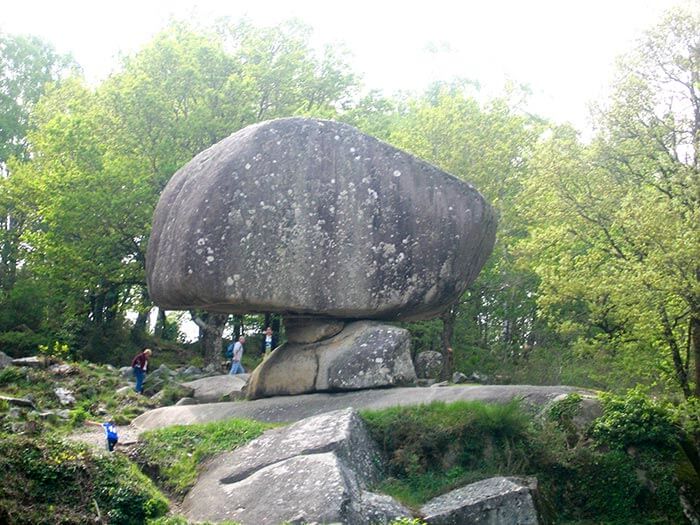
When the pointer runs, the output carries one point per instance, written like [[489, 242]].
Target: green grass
[[175, 452]]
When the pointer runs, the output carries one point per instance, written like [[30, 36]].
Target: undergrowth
[[51, 481], [608, 473]]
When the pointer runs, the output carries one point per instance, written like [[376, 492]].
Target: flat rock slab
[[364, 354], [505, 501], [293, 408], [215, 388]]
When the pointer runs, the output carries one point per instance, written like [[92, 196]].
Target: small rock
[[441, 383], [186, 401], [126, 372], [124, 390], [191, 371], [32, 362], [211, 368], [428, 364], [459, 378], [65, 396], [5, 360], [479, 378], [25, 402], [62, 369]]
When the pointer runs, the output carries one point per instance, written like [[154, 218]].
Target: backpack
[[229, 351]]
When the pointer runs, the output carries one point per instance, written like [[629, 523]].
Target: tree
[[617, 223], [27, 66]]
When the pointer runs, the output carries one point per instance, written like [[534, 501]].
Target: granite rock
[[310, 217]]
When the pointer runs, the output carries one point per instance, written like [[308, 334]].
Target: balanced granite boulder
[[312, 217]]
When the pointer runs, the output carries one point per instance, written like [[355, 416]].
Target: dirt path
[[95, 436]]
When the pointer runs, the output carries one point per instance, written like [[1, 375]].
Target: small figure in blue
[[140, 367], [111, 434]]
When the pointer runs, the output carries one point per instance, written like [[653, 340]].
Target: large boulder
[[365, 354], [312, 217], [315, 470], [507, 501], [218, 388]]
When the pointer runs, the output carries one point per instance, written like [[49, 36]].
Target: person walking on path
[[268, 343], [236, 367], [140, 366]]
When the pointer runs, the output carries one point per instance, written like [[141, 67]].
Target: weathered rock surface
[[217, 388], [506, 501], [312, 471], [428, 364], [312, 217], [294, 408], [364, 354]]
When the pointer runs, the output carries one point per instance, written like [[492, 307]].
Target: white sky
[[563, 49]]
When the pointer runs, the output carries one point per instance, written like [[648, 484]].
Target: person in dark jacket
[[140, 366], [268, 343]]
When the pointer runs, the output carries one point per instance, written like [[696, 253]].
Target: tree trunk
[[448, 324], [695, 341], [211, 327], [678, 365]]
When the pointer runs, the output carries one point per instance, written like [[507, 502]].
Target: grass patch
[[172, 454]]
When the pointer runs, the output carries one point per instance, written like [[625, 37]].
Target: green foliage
[[175, 452], [56, 350], [435, 447], [634, 419], [50, 478], [12, 375]]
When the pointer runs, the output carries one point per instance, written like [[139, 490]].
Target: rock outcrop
[[364, 355], [316, 470]]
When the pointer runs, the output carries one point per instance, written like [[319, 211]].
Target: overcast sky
[[563, 49]]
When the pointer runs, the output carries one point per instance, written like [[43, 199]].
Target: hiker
[[140, 366], [268, 343], [236, 367], [111, 434]]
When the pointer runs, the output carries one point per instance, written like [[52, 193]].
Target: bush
[[634, 419]]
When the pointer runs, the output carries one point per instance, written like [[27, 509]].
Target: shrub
[[634, 419]]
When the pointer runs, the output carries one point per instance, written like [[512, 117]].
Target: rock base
[[365, 354]]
